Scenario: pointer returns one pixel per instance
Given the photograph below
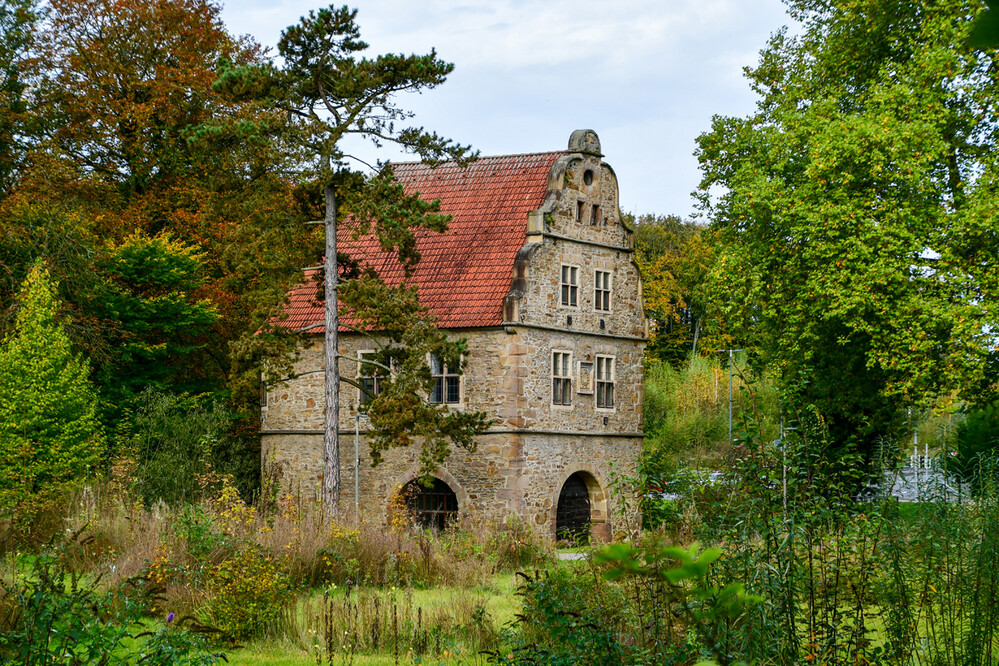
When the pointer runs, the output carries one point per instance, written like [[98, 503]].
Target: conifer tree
[[49, 430], [324, 93]]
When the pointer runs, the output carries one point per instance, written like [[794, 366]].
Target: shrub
[[245, 593], [570, 616], [172, 438], [51, 616], [977, 443]]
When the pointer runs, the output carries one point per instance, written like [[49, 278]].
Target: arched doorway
[[432, 507], [572, 515]]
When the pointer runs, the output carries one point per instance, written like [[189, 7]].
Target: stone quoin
[[536, 271]]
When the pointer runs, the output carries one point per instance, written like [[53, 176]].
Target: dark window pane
[[370, 389], [453, 392]]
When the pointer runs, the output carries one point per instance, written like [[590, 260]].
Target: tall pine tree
[[325, 92]]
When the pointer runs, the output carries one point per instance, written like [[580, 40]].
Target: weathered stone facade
[[533, 445]]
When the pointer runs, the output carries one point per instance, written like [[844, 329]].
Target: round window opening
[[588, 177], [431, 507]]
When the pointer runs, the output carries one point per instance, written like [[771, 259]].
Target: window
[[602, 291], [579, 211], [369, 376], [605, 382], [570, 285], [561, 378], [432, 508], [447, 384], [595, 216]]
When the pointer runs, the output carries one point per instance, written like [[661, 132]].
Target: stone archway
[[432, 506], [579, 508], [443, 503]]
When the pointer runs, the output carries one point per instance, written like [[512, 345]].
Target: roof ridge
[[485, 157]]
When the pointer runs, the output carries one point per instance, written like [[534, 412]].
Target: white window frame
[[561, 373], [604, 381], [442, 383], [597, 291], [569, 288]]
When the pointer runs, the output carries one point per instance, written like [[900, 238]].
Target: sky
[[646, 75]]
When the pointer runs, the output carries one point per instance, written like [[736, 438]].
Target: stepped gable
[[466, 271]]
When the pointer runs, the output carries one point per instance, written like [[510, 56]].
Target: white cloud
[[647, 75]]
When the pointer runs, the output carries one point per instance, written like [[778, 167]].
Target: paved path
[[572, 556]]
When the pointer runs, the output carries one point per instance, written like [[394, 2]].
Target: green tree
[[49, 430], [855, 210], [18, 21], [159, 326], [325, 92], [675, 257]]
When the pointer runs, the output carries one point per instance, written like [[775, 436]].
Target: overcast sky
[[647, 75]]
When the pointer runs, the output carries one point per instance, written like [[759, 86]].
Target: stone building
[[536, 271]]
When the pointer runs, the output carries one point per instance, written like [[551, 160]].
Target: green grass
[[498, 594]]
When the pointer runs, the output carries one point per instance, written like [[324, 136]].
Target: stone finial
[[585, 141]]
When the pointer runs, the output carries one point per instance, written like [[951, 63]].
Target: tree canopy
[[675, 257], [855, 209]]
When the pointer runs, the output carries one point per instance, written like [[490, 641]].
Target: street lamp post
[[357, 468]]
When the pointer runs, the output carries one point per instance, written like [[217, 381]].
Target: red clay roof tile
[[466, 271]]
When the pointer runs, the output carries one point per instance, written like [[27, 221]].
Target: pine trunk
[[331, 430]]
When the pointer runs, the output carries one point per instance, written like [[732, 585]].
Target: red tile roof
[[466, 271]]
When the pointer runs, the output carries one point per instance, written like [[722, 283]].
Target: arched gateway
[[581, 510]]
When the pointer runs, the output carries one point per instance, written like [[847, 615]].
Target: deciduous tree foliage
[[125, 81], [675, 257], [119, 90], [49, 430], [326, 91], [856, 209], [18, 20]]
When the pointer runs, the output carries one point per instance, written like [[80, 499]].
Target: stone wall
[[487, 481], [508, 474]]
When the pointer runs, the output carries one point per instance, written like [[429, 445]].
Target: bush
[[977, 444], [51, 616], [172, 439], [245, 593], [570, 616]]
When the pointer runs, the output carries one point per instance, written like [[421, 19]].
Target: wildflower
[[170, 617]]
